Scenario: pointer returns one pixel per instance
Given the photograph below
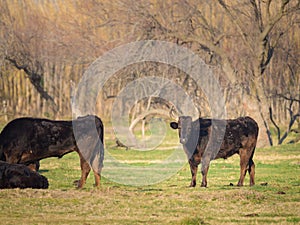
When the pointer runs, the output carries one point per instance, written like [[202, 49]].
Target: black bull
[[28, 140], [239, 136]]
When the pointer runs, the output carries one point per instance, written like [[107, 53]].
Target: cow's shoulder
[[204, 122]]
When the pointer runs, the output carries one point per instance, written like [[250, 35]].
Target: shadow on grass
[[43, 171]]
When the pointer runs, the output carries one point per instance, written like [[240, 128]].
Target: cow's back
[[240, 133], [237, 132], [26, 140]]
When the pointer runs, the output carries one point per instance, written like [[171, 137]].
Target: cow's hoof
[[76, 183], [96, 186]]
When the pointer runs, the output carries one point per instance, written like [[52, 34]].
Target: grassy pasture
[[275, 199]]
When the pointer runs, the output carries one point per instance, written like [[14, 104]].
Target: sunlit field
[[275, 199]]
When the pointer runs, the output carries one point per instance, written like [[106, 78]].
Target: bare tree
[[241, 36], [293, 117], [22, 47], [252, 43], [40, 44]]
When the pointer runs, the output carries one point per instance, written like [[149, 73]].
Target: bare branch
[[148, 113], [236, 21], [34, 78], [279, 95], [274, 123], [257, 13]]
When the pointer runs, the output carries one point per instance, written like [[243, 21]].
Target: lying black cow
[[28, 140], [20, 176], [239, 136]]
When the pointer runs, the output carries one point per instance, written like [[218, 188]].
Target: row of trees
[[252, 44]]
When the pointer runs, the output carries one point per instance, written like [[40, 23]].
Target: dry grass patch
[[169, 202]]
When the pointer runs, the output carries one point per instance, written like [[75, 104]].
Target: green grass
[[275, 199]]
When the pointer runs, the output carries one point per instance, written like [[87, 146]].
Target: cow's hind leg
[[85, 170], [251, 170], [244, 160], [97, 178]]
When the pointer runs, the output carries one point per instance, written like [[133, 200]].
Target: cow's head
[[184, 127]]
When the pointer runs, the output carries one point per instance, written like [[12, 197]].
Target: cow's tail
[[98, 156], [101, 140], [254, 126], [2, 156]]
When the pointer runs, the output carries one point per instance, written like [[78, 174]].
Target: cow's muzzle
[[183, 140]]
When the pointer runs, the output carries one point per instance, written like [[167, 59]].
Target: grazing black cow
[[240, 137], [28, 140], [20, 176]]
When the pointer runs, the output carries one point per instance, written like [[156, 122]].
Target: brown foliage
[[254, 46]]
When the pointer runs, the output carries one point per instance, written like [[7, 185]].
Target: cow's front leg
[[85, 170], [35, 166], [204, 171], [194, 169]]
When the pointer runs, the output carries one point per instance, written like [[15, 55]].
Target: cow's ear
[[174, 125]]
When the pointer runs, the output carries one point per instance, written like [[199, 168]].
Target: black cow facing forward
[[20, 176], [240, 137], [28, 140]]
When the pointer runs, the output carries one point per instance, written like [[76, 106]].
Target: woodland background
[[253, 46]]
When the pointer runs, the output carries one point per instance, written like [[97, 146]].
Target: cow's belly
[[52, 151], [227, 152]]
